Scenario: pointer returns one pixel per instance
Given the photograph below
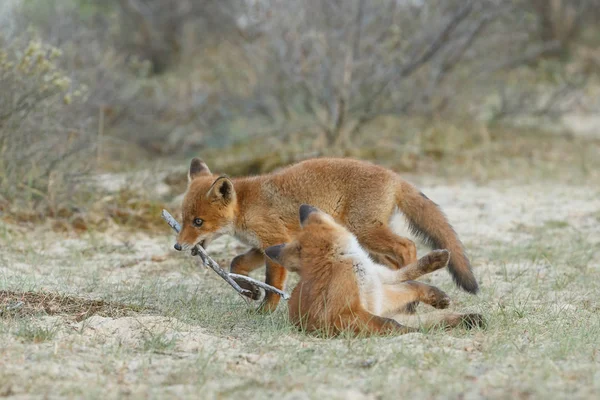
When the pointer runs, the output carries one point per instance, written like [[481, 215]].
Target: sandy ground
[[535, 249]]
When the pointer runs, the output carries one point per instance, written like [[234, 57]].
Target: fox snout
[[178, 246], [273, 252]]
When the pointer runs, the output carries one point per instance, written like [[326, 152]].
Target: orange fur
[[261, 211], [342, 289]]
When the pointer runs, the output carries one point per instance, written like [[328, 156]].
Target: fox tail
[[427, 221]]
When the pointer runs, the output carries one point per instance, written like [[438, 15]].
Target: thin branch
[[260, 284], [439, 41], [523, 58], [358, 31], [432, 49]]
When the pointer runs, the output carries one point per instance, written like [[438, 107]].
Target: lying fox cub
[[342, 289]]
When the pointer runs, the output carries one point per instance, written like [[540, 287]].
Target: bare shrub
[[117, 49], [170, 76], [331, 67], [160, 30], [559, 21], [44, 141]]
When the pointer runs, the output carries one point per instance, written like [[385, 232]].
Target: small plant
[[556, 224], [35, 334], [158, 342]]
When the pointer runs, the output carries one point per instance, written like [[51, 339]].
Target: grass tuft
[[158, 342], [30, 332]]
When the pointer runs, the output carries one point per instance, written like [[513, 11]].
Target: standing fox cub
[[342, 289], [261, 211]]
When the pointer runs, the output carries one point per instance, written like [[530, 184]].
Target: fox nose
[[177, 247], [274, 251]]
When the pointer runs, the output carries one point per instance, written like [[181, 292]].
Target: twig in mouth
[[197, 250]]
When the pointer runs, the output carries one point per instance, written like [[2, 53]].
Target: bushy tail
[[427, 221]]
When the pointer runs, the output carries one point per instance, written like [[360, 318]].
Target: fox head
[[320, 241], [208, 209]]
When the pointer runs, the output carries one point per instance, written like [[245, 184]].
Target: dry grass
[[128, 209], [29, 304], [534, 247]]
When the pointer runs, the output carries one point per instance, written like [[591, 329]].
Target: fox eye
[[197, 222]]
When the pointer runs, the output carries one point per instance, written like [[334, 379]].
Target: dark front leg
[[245, 263], [275, 276]]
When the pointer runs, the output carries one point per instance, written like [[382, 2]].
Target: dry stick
[[260, 284], [206, 260]]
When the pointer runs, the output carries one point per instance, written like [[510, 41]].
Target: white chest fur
[[368, 281], [400, 226]]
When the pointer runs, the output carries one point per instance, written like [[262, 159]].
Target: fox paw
[[435, 260], [438, 299], [254, 291], [267, 306]]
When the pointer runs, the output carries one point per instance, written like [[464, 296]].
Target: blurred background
[[103, 102]]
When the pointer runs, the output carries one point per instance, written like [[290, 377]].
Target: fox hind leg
[[384, 260], [443, 319], [430, 262], [429, 294], [403, 298], [381, 240], [366, 323]]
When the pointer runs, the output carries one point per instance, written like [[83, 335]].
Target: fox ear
[[304, 212], [221, 190], [273, 252], [197, 168]]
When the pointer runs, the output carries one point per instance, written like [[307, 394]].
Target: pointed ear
[[197, 168], [305, 211], [222, 190], [273, 252]]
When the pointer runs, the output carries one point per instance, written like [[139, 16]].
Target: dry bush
[[117, 48], [162, 31], [559, 21], [50, 125], [44, 141], [174, 76], [329, 68], [233, 70]]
